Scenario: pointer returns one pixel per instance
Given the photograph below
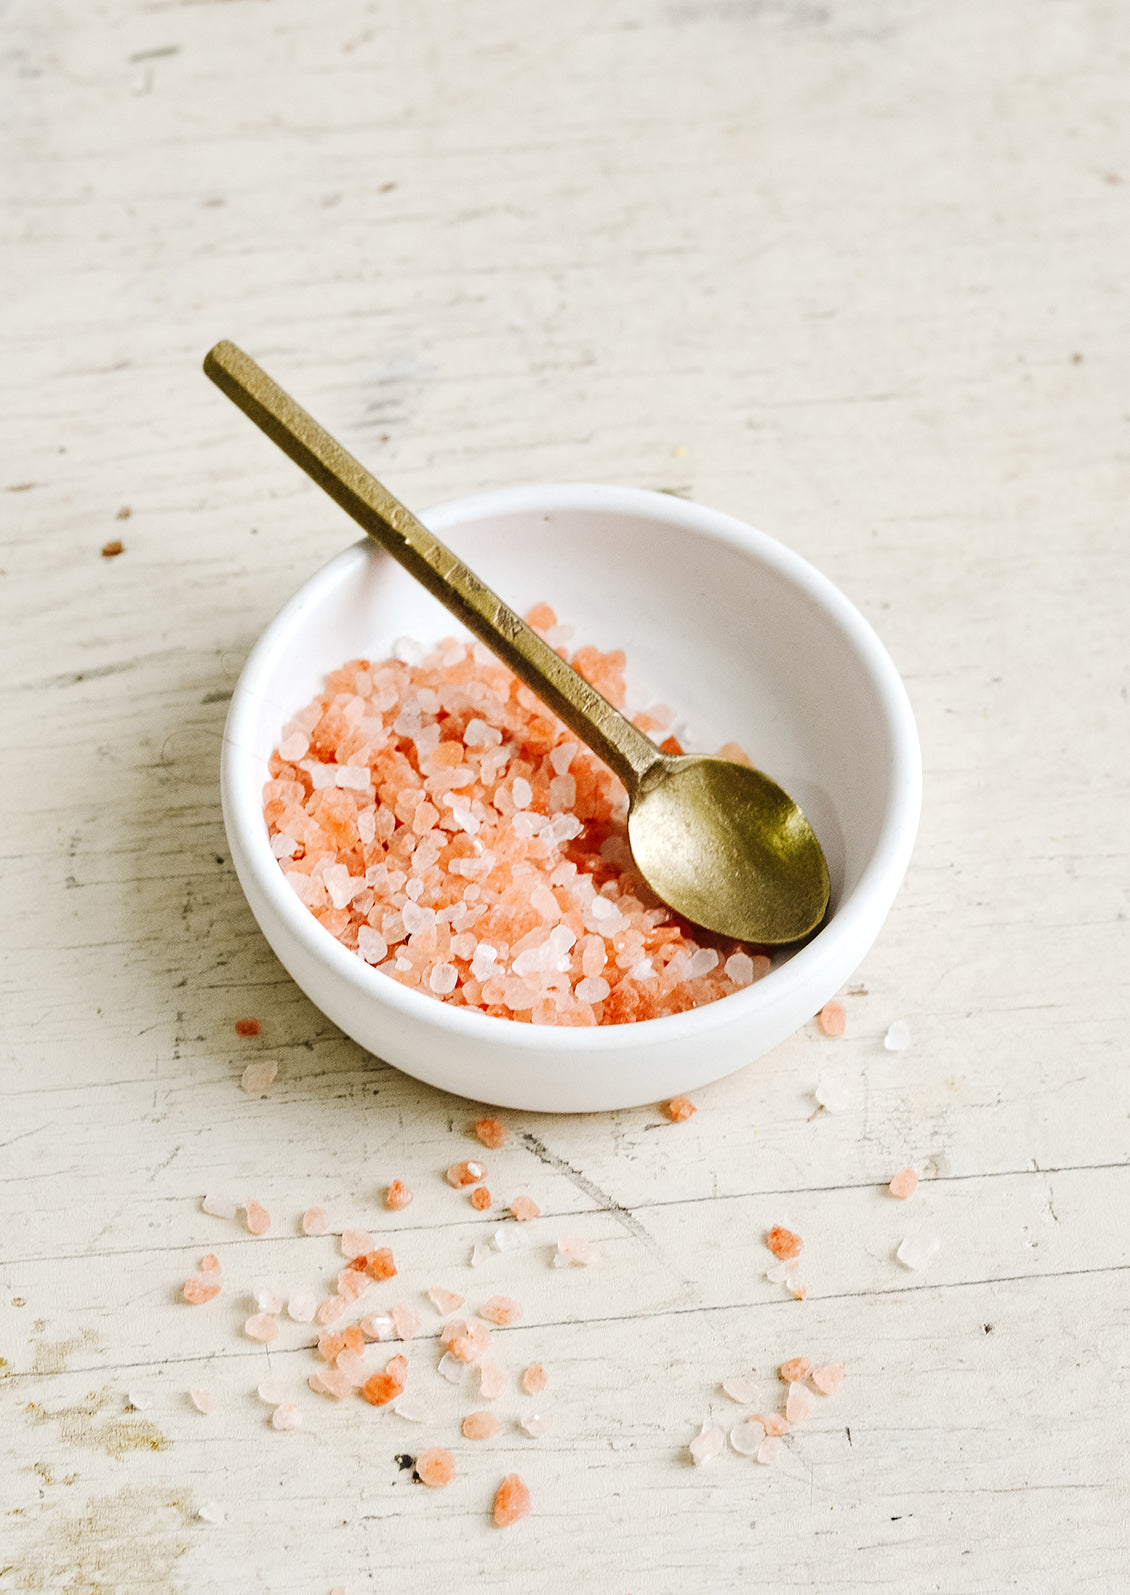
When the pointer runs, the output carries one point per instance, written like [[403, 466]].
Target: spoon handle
[[610, 735]]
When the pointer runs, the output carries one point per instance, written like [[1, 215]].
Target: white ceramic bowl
[[743, 638]]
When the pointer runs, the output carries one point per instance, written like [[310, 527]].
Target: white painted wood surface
[[853, 272]]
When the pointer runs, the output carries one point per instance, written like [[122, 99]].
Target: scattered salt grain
[[512, 1501], [269, 1301], [492, 1379], [398, 1196], [261, 1326], [492, 1133], [796, 1368], [501, 1310], [355, 1241], [769, 1449], [829, 1378], [315, 1221], [832, 1093], [480, 1426], [411, 1411], [746, 1437], [463, 1174], [524, 1208], [783, 1243], [479, 1254], [679, 1109], [573, 1251], [257, 1218], [773, 1423], [211, 1512], [302, 1308], [535, 1425], [480, 1199], [406, 1321], [139, 1400], [209, 1264], [377, 1326], [904, 1184], [272, 1391], [220, 1206], [248, 1027], [707, 1444], [452, 1369], [507, 1238], [444, 1301], [435, 1468], [260, 1076], [200, 1289], [286, 1417], [798, 1404], [897, 1038], [918, 1250], [743, 1391], [832, 1018], [202, 1399]]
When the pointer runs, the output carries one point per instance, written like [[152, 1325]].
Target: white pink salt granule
[[439, 821]]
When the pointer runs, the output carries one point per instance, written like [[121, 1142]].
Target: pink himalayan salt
[[352, 1284], [829, 1378], [794, 1369], [679, 1109], [356, 1367], [435, 1468], [512, 1501], [904, 1184], [798, 1404], [269, 1301], [746, 1437], [198, 1290], [398, 1196], [444, 1301], [534, 1379], [331, 1382], [355, 1241], [480, 1199], [832, 1018], [302, 1308], [492, 1379], [769, 1449], [743, 1391], [442, 824], [406, 1321], [524, 1208], [261, 1326], [259, 1076], [466, 1340], [202, 1399], [535, 1424], [492, 1133], [272, 1391], [480, 1426], [209, 1264], [331, 1309], [783, 1243], [315, 1221], [462, 1174], [258, 1219], [707, 1444], [573, 1250], [773, 1423], [377, 1326], [501, 1310], [286, 1417], [383, 1388], [248, 1027]]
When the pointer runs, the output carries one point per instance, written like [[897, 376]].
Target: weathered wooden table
[[853, 272]]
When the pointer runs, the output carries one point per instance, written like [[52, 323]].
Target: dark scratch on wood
[[605, 1203]]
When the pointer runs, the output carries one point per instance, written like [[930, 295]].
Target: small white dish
[[745, 640]]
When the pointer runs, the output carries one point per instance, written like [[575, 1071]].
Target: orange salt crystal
[[406, 1321], [783, 1243], [832, 1018], [671, 745], [492, 1133], [679, 1109], [773, 1424], [398, 1195], [379, 1264], [209, 1263], [331, 1309], [352, 1283], [541, 617], [480, 1198], [329, 1345], [444, 1301], [798, 1404], [355, 1241], [435, 1468], [904, 1184], [501, 1310], [381, 1389], [261, 1326], [352, 1339], [247, 1027], [534, 1379], [525, 1208], [397, 1367], [197, 1291], [258, 1219], [829, 1378], [462, 1174], [794, 1369], [480, 1426], [466, 1341], [512, 1501], [314, 1221]]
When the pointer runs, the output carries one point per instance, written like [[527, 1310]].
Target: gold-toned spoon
[[718, 842]]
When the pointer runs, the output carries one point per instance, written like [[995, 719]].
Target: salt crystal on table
[[302, 1308], [257, 1217], [769, 1449], [799, 1404], [707, 1444], [904, 1184], [211, 1512], [832, 1018], [743, 1391], [747, 1436], [355, 1366], [261, 1326], [501, 1310], [512, 1501], [918, 1250], [573, 1251], [536, 1425], [795, 1369], [269, 1301], [412, 1411], [355, 1241], [202, 1399], [259, 1076], [829, 1378], [479, 1254], [407, 1321], [832, 1093], [378, 1326], [897, 1038], [776, 1272], [534, 1379], [508, 1238], [444, 1301], [480, 1426], [454, 1371], [524, 1208], [139, 1400], [314, 1221], [220, 1206], [272, 1391], [492, 1378], [286, 1417]]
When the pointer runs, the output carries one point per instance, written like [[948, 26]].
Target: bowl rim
[[857, 917]]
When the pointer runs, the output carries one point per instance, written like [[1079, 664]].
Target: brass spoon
[[718, 842]]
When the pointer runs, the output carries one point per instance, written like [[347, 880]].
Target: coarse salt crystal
[[679, 1109], [783, 1243], [410, 1409], [480, 1426], [918, 1250], [272, 1391], [452, 1369], [492, 1132], [897, 1038], [315, 1221], [220, 1206], [203, 1399], [445, 1302], [707, 1444], [378, 1326], [443, 978], [286, 1417], [492, 1378], [355, 1241], [534, 1379], [743, 1391], [904, 1184], [512, 1501], [257, 1218], [832, 1018], [829, 1378], [371, 945], [479, 1254], [573, 1251], [798, 1404], [739, 967], [524, 1209], [832, 1093], [747, 1436], [508, 1238], [769, 1449], [406, 1321], [139, 1400], [463, 1174], [302, 1308], [261, 1326], [535, 1425], [501, 1310], [211, 1512]]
